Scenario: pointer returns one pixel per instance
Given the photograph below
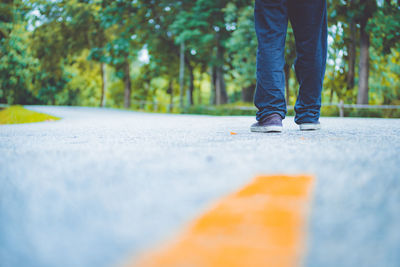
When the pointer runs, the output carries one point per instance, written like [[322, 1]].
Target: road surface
[[103, 185]]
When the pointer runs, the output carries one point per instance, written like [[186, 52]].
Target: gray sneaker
[[271, 123], [310, 126]]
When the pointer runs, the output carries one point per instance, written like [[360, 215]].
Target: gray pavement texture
[[102, 185]]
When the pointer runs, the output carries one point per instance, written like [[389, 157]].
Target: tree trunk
[[181, 75], [191, 86], [127, 85], [287, 77], [103, 84], [222, 97], [199, 100], [170, 91], [362, 97], [248, 93], [220, 88], [352, 55], [333, 87], [331, 96], [213, 79]]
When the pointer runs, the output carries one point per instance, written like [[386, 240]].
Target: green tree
[[49, 46], [120, 19], [366, 10], [203, 29], [155, 35], [16, 62], [242, 48]]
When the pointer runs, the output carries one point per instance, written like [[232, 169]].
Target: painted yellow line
[[260, 225]]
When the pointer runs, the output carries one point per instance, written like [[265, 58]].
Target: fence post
[[341, 109]]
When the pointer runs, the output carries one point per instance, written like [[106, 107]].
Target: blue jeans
[[309, 23]]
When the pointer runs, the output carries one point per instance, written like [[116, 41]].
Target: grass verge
[[19, 114], [326, 111]]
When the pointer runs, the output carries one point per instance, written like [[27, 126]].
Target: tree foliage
[[84, 52]]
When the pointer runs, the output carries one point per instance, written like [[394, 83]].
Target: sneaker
[[310, 126], [272, 123]]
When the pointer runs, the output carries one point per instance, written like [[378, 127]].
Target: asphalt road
[[102, 185]]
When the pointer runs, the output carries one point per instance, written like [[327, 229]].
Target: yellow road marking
[[260, 225]]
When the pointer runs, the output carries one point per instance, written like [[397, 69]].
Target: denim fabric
[[309, 22]]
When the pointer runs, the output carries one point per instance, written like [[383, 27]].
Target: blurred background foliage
[[175, 56]]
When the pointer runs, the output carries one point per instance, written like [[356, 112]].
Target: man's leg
[[308, 19], [271, 25]]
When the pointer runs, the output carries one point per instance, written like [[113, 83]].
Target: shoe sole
[[310, 127], [266, 129]]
